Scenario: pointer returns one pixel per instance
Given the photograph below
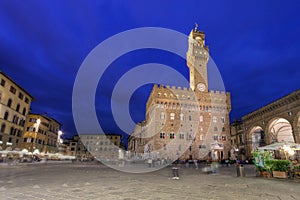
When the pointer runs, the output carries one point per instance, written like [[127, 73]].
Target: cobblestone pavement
[[95, 181]]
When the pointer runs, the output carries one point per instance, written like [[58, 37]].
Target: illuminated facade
[[190, 123], [14, 107], [275, 122], [41, 132]]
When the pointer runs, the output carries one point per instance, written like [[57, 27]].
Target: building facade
[[238, 141], [41, 133], [186, 123], [77, 148], [101, 146], [275, 122], [14, 107]]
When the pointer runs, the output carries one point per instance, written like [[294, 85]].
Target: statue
[[196, 27]]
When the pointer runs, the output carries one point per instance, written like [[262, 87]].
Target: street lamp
[[59, 140]]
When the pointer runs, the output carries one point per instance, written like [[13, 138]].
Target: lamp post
[[59, 142]]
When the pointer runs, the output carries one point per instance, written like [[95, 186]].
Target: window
[[215, 137], [223, 138], [19, 134], [162, 115], [2, 82], [12, 90], [172, 135], [3, 126], [201, 137], [26, 100], [21, 96], [9, 139], [214, 119], [9, 103], [223, 129], [18, 108], [15, 119], [223, 120], [201, 118], [24, 111], [162, 135], [181, 136], [190, 118], [172, 116], [6, 115], [181, 117]]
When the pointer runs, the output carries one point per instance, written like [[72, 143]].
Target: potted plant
[[280, 168], [262, 162]]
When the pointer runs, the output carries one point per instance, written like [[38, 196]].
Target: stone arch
[[256, 137], [279, 129]]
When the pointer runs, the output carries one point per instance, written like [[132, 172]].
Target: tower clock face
[[201, 87]]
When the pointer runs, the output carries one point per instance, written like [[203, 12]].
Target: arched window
[[201, 118], [172, 116], [162, 115], [181, 117], [11, 131], [214, 119], [3, 126], [24, 111], [15, 119], [18, 108], [9, 103], [6, 115]]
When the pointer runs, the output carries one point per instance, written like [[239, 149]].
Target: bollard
[[242, 170], [238, 172]]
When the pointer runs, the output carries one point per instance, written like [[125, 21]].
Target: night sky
[[255, 45]]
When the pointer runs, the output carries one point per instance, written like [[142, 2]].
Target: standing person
[[196, 163], [175, 172]]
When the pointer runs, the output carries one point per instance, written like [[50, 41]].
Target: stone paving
[[96, 181]]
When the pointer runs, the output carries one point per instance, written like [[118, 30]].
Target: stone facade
[[238, 142], [14, 107], [186, 123], [102, 146], [275, 122]]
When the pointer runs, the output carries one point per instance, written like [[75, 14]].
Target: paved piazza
[[96, 181]]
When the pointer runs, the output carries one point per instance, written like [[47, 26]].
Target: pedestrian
[[196, 163], [175, 172]]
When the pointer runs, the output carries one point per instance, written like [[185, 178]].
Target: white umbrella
[[24, 151], [36, 151], [280, 145]]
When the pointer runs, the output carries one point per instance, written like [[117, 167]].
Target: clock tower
[[197, 57]]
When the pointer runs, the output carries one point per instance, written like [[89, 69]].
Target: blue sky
[[255, 45]]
